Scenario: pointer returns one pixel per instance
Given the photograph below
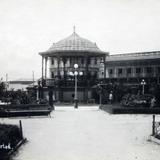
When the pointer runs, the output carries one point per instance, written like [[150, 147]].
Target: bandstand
[[58, 62]]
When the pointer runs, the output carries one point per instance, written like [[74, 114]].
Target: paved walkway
[[87, 133]]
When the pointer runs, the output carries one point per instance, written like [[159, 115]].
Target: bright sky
[[28, 27]]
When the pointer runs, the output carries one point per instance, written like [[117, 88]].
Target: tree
[[2, 88]]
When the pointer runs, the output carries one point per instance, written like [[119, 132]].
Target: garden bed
[[128, 110], [24, 110], [11, 138]]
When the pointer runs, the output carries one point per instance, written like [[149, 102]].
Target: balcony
[[69, 82], [50, 82]]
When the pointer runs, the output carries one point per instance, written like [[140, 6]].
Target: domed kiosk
[[62, 56]]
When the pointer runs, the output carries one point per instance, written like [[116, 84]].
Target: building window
[[95, 61], [89, 61], [110, 71], [71, 60], [82, 61], [138, 70], [158, 69], [95, 74], [52, 74], [120, 71], [149, 69], [128, 70], [102, 73], [52, 61]]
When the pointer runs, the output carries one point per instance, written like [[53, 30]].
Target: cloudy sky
[[28, 27]]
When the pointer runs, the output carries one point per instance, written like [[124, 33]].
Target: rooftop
[[134, 56], [73, 43]]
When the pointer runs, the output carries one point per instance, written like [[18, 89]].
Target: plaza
[[87, 133], [91, 68]]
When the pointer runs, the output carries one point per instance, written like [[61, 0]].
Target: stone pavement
[[87, 133]]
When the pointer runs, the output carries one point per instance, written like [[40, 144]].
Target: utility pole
[[33, 77], [153, 125], [6, 81], [6, 77]]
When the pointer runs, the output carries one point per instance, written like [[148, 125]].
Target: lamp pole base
[[76, 103]]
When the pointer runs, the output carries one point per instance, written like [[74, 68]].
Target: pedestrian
[[50, 94], [111, 97], [72, 98], [153, 102], [54, 99]]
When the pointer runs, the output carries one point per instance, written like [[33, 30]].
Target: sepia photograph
[[79, 79]]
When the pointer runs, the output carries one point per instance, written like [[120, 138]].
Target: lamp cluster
[[75, 73], [143, 83]]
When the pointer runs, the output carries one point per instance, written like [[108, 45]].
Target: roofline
[[134, 56], [63, 52], [136, 53]]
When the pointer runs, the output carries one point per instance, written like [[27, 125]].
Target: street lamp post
[[153, 126], [75, 73], [143, 83], [75, 92], [100, 93]]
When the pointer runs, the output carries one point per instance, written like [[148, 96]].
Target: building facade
[[58, 62], [133, 67], [95, 67]]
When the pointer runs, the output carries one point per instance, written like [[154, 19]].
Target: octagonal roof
[[73, 43]]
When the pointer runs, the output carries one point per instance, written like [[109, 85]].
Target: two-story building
[[94, 66], [133, 67], [58, 62]]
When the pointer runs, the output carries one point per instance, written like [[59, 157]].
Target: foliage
[[131, 100], [2, 88], [9, 135]]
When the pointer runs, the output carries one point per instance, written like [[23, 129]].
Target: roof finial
[[74, 29]]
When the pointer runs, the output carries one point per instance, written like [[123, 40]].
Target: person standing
[[111, 97], [51, 99], [153, 102]]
